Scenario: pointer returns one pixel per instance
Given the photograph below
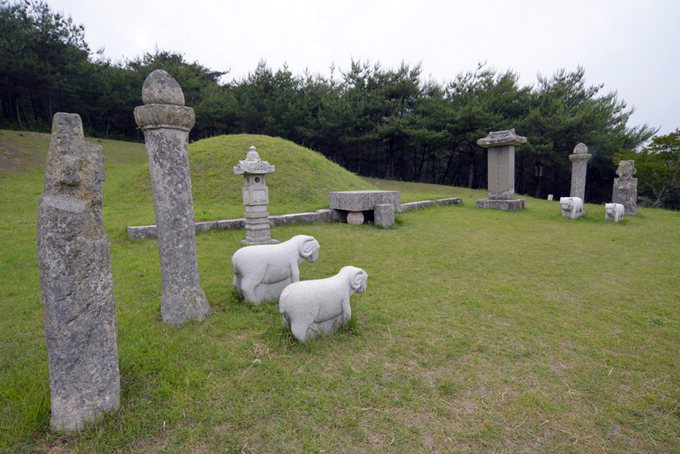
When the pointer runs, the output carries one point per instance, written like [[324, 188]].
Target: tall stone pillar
[[579, 166], [255, 197], [501, 170], [625, 187], [74, 264], [166, 122]]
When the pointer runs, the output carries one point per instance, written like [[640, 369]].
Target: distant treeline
[[388, 123]]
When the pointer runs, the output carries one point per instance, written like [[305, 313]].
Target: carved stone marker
[[501, 170], [625, 187], [261, 272], [166, 122], [579, 166], [76, 282], [255, 197], [320, 306]]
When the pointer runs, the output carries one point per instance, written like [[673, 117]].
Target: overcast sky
[[630, 46]]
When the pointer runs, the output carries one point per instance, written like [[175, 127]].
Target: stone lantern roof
[[501, 139], [253, 164]]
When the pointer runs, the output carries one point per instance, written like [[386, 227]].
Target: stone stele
[[579, 166], [74, 264], [166, 122], [501, 170], [321, 306], [261, 272], [625, 187]]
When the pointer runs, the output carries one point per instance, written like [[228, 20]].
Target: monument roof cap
[[501, 139]]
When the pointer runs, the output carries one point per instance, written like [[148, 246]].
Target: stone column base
[[252, 243], [505, 205]]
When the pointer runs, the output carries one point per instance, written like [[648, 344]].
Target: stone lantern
[[255, 197]]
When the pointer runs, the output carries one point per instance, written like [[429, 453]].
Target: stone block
[[505, 205], [363, 200], [383, 214]]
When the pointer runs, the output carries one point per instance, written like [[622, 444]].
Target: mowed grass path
[[480, 331]]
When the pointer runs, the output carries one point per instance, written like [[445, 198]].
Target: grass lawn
[[480, 331]]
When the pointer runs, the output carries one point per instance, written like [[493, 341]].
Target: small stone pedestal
[[625, 187], [501, 170], [579, 166], [255, 197]]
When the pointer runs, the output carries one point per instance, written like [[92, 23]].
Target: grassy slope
[[480, 331], [301, 181]]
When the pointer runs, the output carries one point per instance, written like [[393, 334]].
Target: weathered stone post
[[255, 197], [75, 277], [625, 187], [166, 122], [501, 170], [579, 166]]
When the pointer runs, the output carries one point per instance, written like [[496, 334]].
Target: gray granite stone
[[579, 166], [625, 187], [166, 122], [501, 169], [355, 217], [428, 203], [76, 283], [505, 205], [363, 200], [383, 214]]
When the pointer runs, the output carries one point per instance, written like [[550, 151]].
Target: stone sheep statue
[[321, 306], [572, 207], [614, 212], [262, 272]]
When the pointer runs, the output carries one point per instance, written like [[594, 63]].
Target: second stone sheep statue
[[262, 272], [614, 212], [320, 306], [572, 207]]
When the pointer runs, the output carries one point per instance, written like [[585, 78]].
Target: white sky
[[630, 46]]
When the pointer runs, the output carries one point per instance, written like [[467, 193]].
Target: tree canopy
[[375, 121]]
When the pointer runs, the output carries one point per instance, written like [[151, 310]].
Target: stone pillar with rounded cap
[[255, 197], [579, 166], [501, 170], [166, 122]]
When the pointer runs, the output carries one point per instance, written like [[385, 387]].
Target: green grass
[[480, 331]]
